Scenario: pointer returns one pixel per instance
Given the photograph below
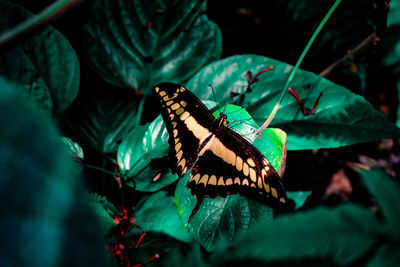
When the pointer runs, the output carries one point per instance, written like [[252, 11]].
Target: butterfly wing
[[188, 122], [229, 164]]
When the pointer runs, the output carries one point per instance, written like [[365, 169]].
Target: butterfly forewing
[[188, 122]]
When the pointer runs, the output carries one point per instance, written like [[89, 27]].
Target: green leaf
[[387, 195], [339, 236], [221, 220], [136, 44], [140, 151], [158, 213], [104, 211], [45, 218], [101, 119], [299, 197], [75, 152], [45, 67], [342, 118]]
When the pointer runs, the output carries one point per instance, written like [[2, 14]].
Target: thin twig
[[36, 22], [374, 39]]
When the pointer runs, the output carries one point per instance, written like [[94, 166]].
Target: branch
[[353, 55], [36, 22], [365, 46]]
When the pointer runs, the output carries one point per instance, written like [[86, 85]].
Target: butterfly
[[221, 161]]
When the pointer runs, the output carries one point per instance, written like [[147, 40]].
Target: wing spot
[[260, 183], [184, 116], [195, 178], [237, 181], [183, 103], [176, 140], [175, 106], [253, 185], [239, 163], [179, 155], [182, 90], [157, 177], [167, 97], [263, 173], [229, 181], [245, 182], [246, 169], [251, 162], [175, 131], [171, 116], [282, 200], [169, 110], [169, 103], [221, 181], [157, 89], [204, 179], [174, 124], [274, 193], [266, 187], [162, 93], [182, 163], [253, 175], [179, 111], [178, 147], [212, 180]]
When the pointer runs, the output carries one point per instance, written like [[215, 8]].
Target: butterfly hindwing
[[229, 164], [188, 122]]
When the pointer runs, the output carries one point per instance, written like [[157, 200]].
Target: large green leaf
[[341, 235], [342, 118], [45, 67], [101, 119], [142, 150], [45, 215], [158, 213], [387, 195], [136, 44], [221, 220]]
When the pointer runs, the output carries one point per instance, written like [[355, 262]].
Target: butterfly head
[[222, 120]]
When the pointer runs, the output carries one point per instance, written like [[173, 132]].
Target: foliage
[[119, 143]]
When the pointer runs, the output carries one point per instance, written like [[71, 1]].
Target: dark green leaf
[[45, 217], [387, 195], [45, 67], [341, 235], [102, 118], [342, 118], [158, 213], [221, 220], [137, 44], [104, 211]]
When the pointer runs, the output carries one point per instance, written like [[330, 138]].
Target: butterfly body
[[221, 161]]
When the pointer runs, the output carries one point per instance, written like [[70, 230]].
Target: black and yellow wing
[[221, 161], [229, 164], [188, 122]]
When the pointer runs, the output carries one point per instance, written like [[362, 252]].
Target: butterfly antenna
[[215, 99], [296, 67]]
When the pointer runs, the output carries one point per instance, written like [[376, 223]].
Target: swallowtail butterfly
[[221, 161]]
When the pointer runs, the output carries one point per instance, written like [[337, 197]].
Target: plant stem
[[102, 170], [36, 22], [296, 67]]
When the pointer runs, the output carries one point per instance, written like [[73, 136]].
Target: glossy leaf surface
[[341, 118], [45, 67], [137, 44]]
